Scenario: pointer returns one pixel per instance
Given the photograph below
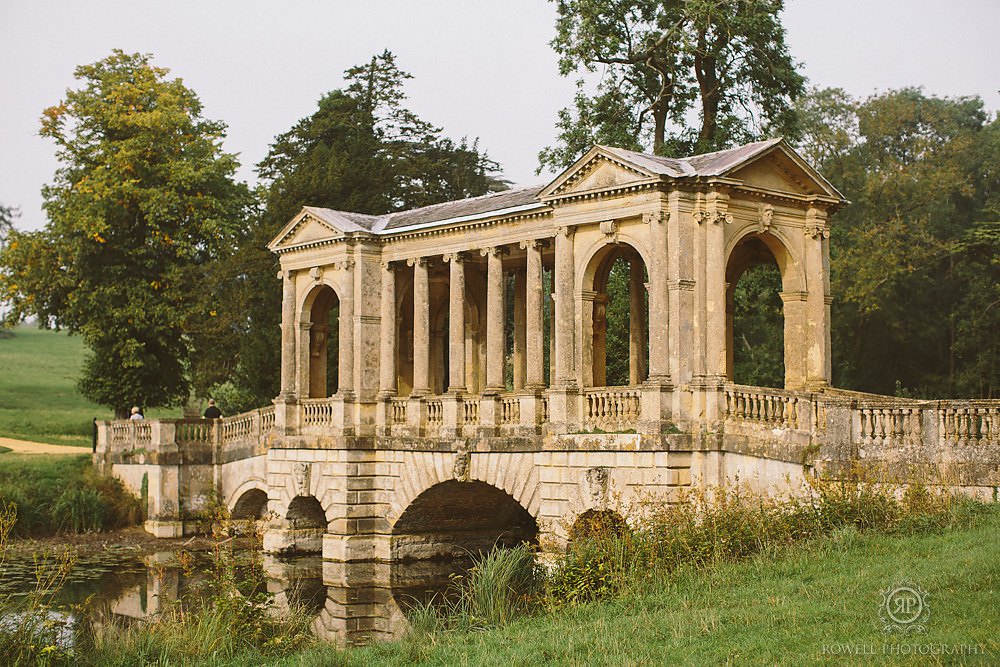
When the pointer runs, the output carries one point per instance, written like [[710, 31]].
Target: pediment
[[305, 228], [595, 171], [782, 170]]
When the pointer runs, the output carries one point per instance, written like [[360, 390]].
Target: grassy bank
[[62, 494], [781, 607], [722, 579], [38, 396]]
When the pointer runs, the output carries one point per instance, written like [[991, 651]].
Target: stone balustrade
[[768, 407], [612, 409]]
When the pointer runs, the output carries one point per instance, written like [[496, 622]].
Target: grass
[[38, 396], [39, 400], [63, 494], [780, 607]]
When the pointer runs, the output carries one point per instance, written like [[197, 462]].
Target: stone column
[[565, 319], [304, 365], [534, 323], [519, 331], [495, 310], [345, 356], [421, 327], [817, 304], [387, 332], [636, 323], [658, 325], [456, 323], [715, 284], [287, 334]]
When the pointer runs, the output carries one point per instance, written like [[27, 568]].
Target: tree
[[141, 207], [7, 215], [660, 60], [913, 258], [362, 150]]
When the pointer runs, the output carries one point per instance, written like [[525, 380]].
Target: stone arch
[[320, 313], [753, 248], [453, 519], [597, 523], [250, 504], [602, 259], [306, 523]]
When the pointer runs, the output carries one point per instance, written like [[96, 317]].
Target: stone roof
[[717, 163], [461, 208], [706, 164]]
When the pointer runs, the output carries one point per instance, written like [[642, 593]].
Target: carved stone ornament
[[345, 265], [655, 216], [712, 215], [597, 485], [316, 273], [610, 229], [302, 477], [816, 224], [460, 467], [766, 218]]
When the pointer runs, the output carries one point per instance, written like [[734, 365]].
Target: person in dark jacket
[[212, 412]]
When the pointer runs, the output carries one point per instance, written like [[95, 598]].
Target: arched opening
[[446, 527], [453, 519], [324, 343], [252, 505], [306, 522], [619, 339], [597, 524], [757, 306]]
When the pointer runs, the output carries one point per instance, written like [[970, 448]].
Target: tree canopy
[[661, 61], [142, 204], [362, 150], [914, 258]]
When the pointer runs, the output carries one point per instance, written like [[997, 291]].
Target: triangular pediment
[[596, 171], [304, 229], [779, 171]]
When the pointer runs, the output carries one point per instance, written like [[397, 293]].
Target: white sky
[[481, 69]]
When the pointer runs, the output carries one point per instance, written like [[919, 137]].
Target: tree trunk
[[708, 85]]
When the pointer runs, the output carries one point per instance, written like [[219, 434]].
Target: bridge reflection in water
[[348, 603]]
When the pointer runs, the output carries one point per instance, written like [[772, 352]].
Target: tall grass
[[64, 494]]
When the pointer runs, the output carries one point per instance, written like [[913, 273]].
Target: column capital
[[816, 226], [456, 257], [389, 265], [285, 274], [659, 216], [494, 251], [532, 243], [416, 261], [565, 230]]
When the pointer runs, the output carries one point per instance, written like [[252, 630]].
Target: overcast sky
[[481, 69]]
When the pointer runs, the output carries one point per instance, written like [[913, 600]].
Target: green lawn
[[38, 396], [806, 606]]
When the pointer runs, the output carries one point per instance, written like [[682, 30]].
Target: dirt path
[[28, 447]]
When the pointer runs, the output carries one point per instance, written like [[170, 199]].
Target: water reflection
[[350, 603]]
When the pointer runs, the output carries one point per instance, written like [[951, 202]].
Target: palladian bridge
[[445, 384]]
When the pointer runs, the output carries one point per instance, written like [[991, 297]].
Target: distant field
[[38, 396]]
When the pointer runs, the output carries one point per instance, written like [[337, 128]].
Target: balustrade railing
[[768, 407], [969, 422], [435, 412], [316, 412], [611, 409], [193, 431], [397, 410], [510, 409], [889, 425], [470, 408]]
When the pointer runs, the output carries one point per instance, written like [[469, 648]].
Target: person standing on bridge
[[212, 412]]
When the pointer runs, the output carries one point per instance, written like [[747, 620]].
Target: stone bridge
[[449, 382]]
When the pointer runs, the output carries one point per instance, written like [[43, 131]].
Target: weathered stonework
[[412, 446]]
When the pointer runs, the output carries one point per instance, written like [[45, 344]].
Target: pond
[[349, 603]]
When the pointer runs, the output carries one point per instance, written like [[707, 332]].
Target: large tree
[[661, 61], [142, 205], [914, 257], [362, 150]]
